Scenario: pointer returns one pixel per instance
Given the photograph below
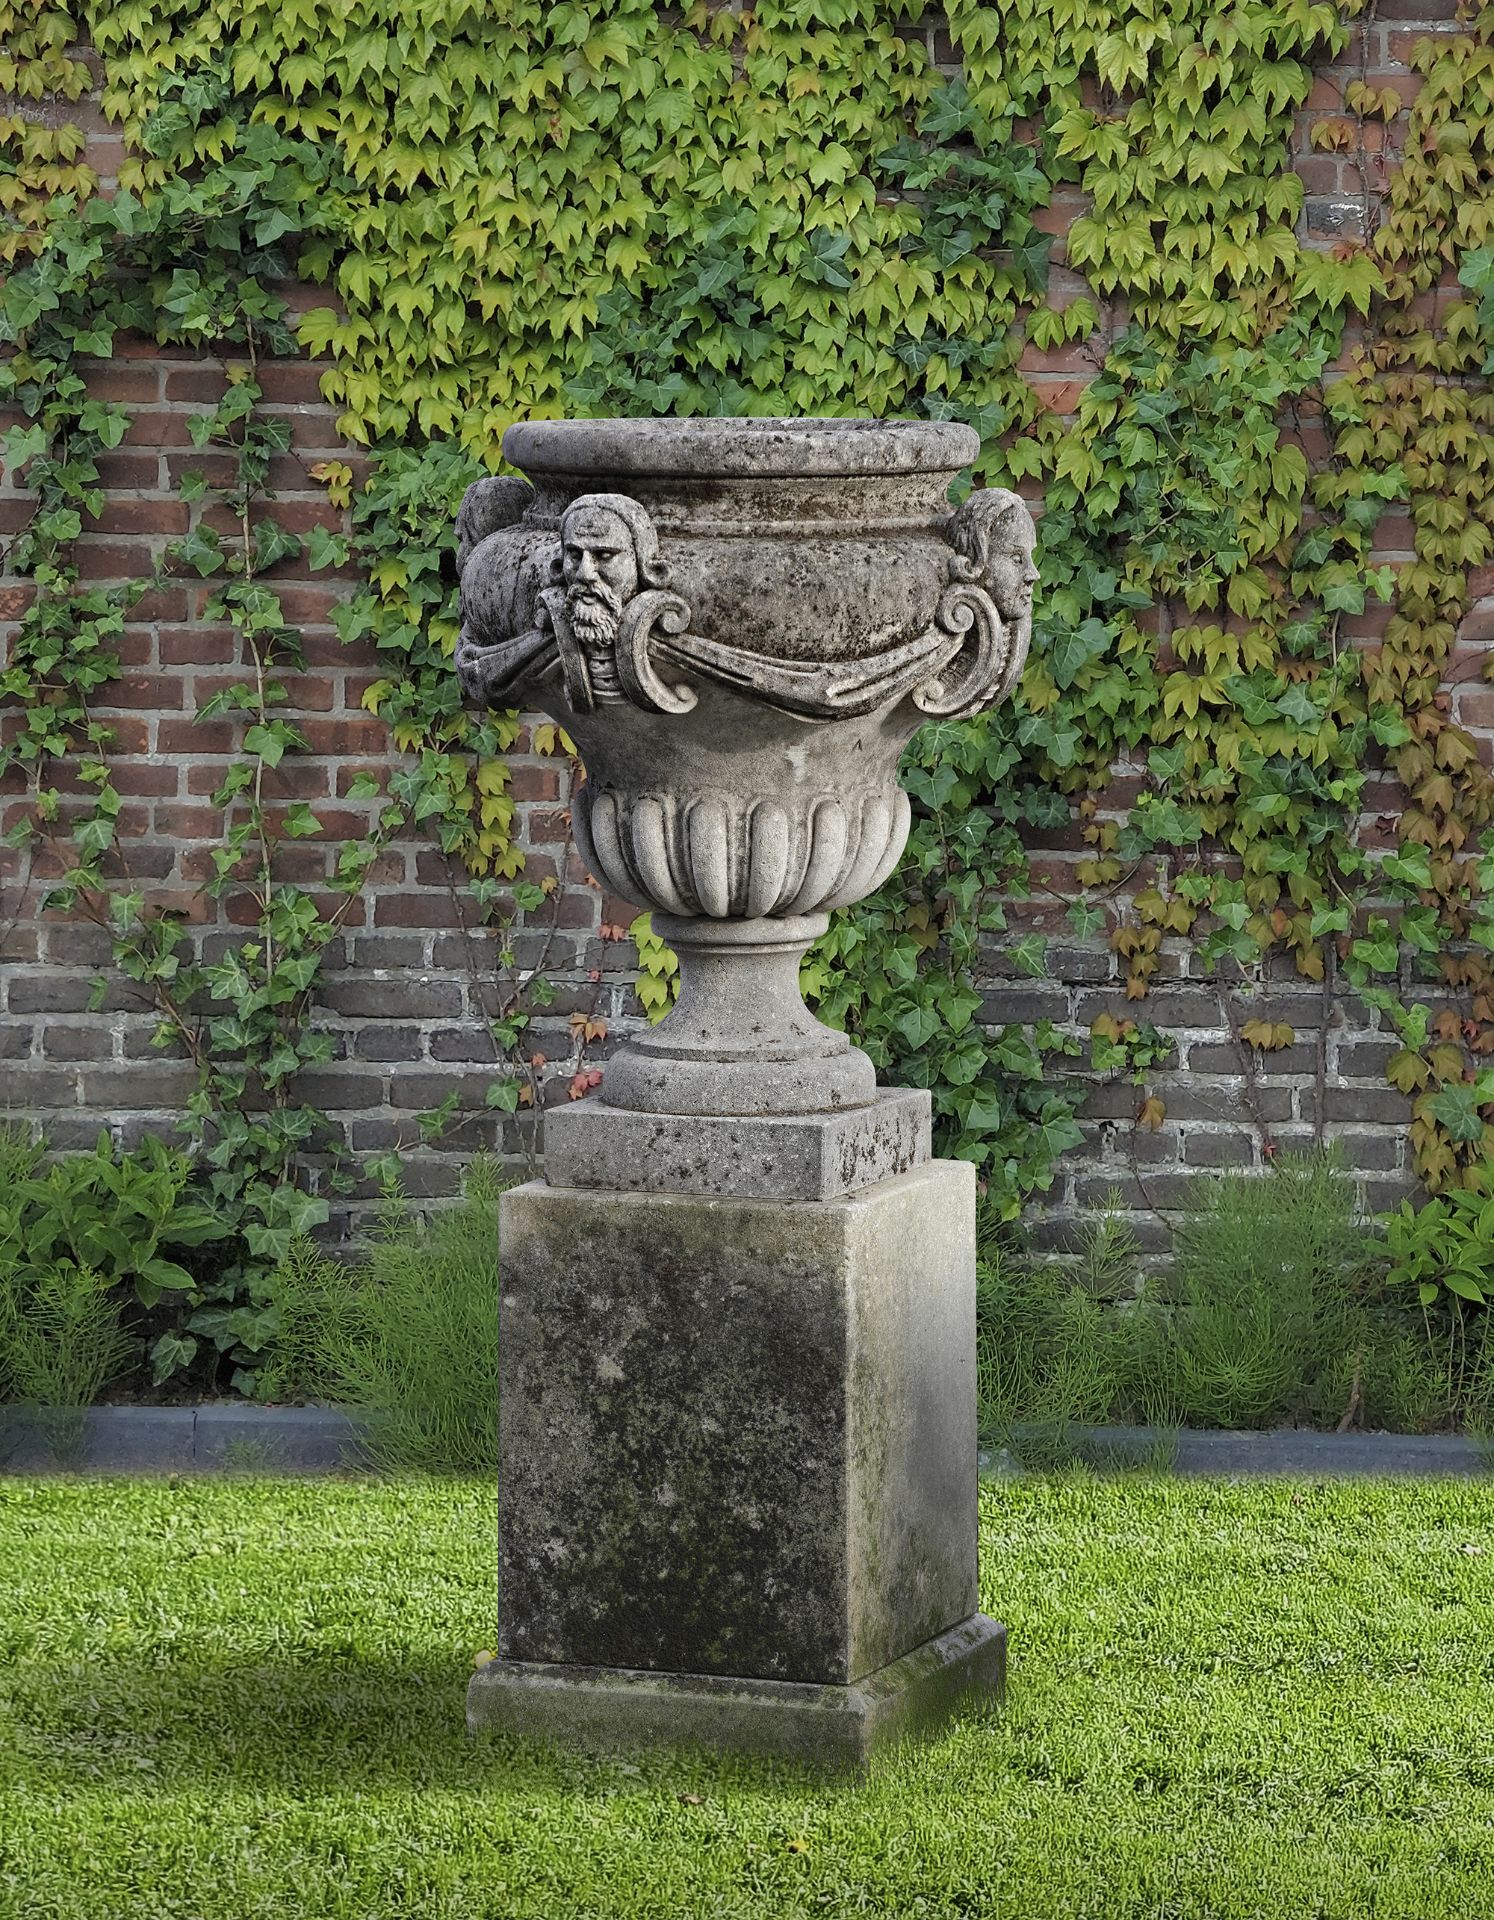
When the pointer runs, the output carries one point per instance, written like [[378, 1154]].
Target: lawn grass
[[227, 1699]]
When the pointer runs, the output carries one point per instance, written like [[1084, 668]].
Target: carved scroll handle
[[988, 604]]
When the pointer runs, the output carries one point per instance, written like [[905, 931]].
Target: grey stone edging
[[1277, 1451], [225, 1437], [182, 1439]]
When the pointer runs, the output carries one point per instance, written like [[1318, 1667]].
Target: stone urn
[[737, 1395], [741, 623]]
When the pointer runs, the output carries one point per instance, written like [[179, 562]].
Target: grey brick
[[76, 944], [419, 1092], [36, 1089], [1149, 1190], [392, 999], [381, 1041], [1283, 1062], [49, 993], [469, 1043], [1225, 1102], [1357, 1103], [77, 1043], [1364, 1059], [1385, 1194], [393, 950], [340, 1088], [1106, 1099], [1022, 1004], [166, 1087], [1179, 1006], [1202, 1148], [137, 1045], [1149, 1149]]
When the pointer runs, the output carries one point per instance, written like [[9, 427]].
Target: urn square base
[[840, 1727], [780, 1156], [737, 1436]]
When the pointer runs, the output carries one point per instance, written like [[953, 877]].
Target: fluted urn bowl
[[741, 623]]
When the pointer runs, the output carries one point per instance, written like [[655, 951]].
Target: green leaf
[[170, 1354], [1456, 1107]]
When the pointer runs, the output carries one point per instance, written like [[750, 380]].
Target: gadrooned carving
[[723, 855]]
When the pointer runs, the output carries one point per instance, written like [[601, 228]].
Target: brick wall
[[408, 988]]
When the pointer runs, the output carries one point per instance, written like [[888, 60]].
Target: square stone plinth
[[783, 1156], [737, 1437], [963, 1670]]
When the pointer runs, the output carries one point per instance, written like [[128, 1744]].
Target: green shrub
[[1051, 1349], [114, 1213], [408, 1337], [60, 1345], [60, 1336], [1272, 1312]]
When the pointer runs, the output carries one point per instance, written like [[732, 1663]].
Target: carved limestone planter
[[741, 623]]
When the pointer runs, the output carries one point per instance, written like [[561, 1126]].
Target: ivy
[[586, 207]]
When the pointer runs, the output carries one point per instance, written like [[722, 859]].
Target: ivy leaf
[[1456, 1107], [1074, 648], [170, 1354], [1029, 955]]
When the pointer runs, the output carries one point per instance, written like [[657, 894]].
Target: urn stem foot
[[740, 1039]]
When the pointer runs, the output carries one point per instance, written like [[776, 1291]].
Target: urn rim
[[755, 448]]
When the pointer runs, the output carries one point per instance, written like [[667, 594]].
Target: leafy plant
[[116, 1216], [1444, 1247]]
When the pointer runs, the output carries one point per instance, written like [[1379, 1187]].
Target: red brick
[[196, 736], [1059, 396], [218, 469], [135, 346], [433, 909], [158, 427], [133, 385], [151, 692], [1071, 360], [101, 559], [162, 603], [196, 383], [130, 735], [292, 382], [146, 777], [534, 783], [153, 514], [301, 515], [199, 647], [306, 602], [1478, 623], [1401, 46], [348, 733], [137, 470], [188, 823]]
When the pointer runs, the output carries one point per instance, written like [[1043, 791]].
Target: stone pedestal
[[738, 1464], [738, 1470]]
